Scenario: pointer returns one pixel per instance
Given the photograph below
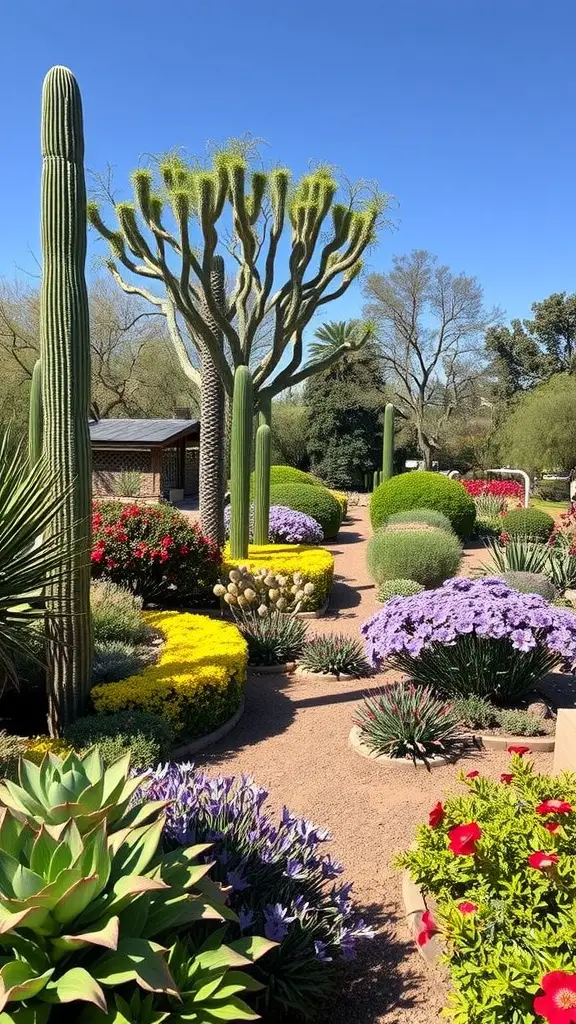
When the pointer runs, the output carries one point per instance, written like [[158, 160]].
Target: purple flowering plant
[[473, 637], [282, 885], [287, 526]]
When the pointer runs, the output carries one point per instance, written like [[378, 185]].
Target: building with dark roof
[[145, 458]]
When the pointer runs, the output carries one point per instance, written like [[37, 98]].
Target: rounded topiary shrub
[[398, 588], [427, 516], [531, 583], [428, 557], [528, 522], [289, 475], [420, 490], [313, 501]]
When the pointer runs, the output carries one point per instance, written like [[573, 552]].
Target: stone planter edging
[[286, 668], [195, 746], [359, 747], [325, 677], [537, 744], [318, 614]]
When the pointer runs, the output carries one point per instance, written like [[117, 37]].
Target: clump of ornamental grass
[[407, 721], [265, 607], [282, 883], [334, 654], [473, 637]]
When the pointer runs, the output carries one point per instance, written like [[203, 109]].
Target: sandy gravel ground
[[293, 740]]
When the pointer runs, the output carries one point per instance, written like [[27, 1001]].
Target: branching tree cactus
[[65, 355], [241, 446], [35, 415], [388, 443], [327, 240]]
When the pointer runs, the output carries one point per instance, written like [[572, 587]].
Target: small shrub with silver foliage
[[398, 588], [407, 721], [334, 655]]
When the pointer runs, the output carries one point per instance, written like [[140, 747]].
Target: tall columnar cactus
[[262, 485], [375, 479], [240, 448], [388, 443], [213, 421], [65, 354], [35, 415]]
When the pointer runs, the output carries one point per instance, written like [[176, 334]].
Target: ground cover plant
[[472, 637], [286, 526], [314, 501], [424, 489], [424, 554], [531, 583], [498, 865], [398, 588], [408, 721], [428, 516], [283, 884]]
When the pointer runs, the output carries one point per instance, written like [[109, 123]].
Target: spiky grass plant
[[274, 638], [407, 721], [335, 654]]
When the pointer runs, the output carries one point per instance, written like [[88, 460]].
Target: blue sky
[[463, 109]]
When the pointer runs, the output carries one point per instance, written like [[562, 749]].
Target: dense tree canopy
[[539, 434]]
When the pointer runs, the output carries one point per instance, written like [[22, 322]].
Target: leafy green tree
[[539, 434], [290, 432], [345, 407]]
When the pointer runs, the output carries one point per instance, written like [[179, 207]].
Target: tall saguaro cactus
[[212, 420], [262, 485], [65, 354], [388, 443], [35, 415], [241, 443]]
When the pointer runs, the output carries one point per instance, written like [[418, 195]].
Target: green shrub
[[488, 528], [428, 557], [428, 516], [115, 661], [148, 737], [553, 490], [503, 881], [398, 588], [315, 501], [117, 615], [422, 489], [407, 721], [289, 475], [520, 723], [334, 655], [528, 522], [531, 583], [476, 712]]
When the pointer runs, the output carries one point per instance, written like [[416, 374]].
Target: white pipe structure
[[453, 474], [517, 472]]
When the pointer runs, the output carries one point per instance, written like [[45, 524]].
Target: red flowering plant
[[154, 551], [498, 868]]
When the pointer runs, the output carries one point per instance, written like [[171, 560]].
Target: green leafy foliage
[[424, 490], [117, 615], [505, 903], [11, 749], [517, 722], [428, 556], [488, 529], [407, 721], [528, 522], [274, 638], [531, 583], [115, 660], [476, 712], [148, 737], [288, 475], [315, 501], [334, 654], [398, 588], [539, 432], [553, 490], [428, 516]]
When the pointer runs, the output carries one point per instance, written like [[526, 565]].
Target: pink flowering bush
[[511, 489], [153, 551], [499, 866]]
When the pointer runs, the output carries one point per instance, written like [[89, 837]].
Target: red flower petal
[[506, 778], [558, 1004], [467, 908], [552, 826], [542, 861], [554, 807], [463, 839], [436, 816], [517, 749], [473, 774]]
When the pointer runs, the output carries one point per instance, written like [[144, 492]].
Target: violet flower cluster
[[484, 608], [283, 885], [287, 526]]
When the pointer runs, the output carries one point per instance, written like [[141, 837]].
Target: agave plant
[[84, 913], [334, 654], [517, 555], [27, 555]]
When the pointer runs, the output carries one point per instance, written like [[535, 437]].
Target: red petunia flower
[[97, 555], [558, 1004], [167, 542], [473, 774], [436, 816], [517, 749], [467, 908], [184, 549], [111, 563], [552, 826], [429, 928], [506, 778], [554, 807], [463, 839], [541, 861]]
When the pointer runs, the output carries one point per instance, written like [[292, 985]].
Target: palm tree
[[332, 335]]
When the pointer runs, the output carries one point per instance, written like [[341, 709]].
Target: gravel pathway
[[293, 740]]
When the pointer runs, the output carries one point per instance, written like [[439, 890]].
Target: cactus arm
[[241, 445], [36, 415], [262, 485], [65, 354]]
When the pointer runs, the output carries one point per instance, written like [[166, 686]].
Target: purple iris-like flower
[[246, 919], [331, 868], [238, 881], [321, 951], [276, 922]]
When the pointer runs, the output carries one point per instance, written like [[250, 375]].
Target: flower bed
[[498, 488], [286, 526], [197, 682], [315, 565], [499, 865]]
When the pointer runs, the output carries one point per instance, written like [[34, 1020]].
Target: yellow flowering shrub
[[197, 682], [39, 746], [315, 564], [342, 498]]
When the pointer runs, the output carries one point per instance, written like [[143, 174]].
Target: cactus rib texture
[[35, 415], [212, 481], [241, 446], [262, 485], [388, 444], [65, 355]]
